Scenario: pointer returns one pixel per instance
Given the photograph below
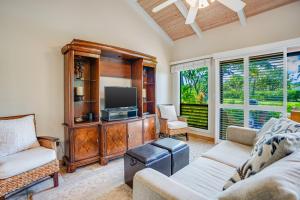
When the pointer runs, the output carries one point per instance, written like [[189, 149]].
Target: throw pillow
[[17, 135], [277, 182], [266, 127], [168, 112], [275, 148], [282, 125]]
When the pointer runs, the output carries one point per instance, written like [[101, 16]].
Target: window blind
[[232, 82], [257, 118], [266, 80], [230, 117]]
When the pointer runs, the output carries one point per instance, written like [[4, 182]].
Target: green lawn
[[265, 103]]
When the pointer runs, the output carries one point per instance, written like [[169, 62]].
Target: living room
[[200, 93]]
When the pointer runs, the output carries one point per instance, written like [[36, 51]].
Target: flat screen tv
[[118, 97]]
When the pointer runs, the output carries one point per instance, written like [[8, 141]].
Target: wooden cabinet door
[[86, 143], [116, 138], [135, 134], [149, 129]]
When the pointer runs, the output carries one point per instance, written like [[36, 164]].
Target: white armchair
[[170, 123], [24, 158]]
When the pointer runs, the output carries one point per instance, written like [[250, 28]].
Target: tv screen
[[116, 97]]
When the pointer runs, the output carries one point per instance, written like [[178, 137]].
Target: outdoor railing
[[197, 114]]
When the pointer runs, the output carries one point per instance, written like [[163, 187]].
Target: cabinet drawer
[[86, 143]]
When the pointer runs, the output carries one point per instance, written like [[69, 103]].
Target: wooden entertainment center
[[88, 139]]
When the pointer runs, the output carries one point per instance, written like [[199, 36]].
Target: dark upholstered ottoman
[[179, 150], [143, 157]]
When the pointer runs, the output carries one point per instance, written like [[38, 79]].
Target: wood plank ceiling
[[173, 23]]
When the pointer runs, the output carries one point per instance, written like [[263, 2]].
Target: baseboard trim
[[202, 137]]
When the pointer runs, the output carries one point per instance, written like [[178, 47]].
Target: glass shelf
[[85, 101], [84, 80], [148, 83]]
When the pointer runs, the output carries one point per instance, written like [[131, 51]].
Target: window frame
[[246, 106]]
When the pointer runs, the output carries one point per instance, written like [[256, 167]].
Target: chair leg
[[55, 179], [187, 136]]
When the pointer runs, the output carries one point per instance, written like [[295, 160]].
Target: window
[[293, 81], [230, 117], [194, 97], [257, 118], [266, 80], [251, 91], [232, 82]]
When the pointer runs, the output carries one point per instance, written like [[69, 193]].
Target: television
[[118, 97]]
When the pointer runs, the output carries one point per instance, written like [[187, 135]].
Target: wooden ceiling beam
[[184, 11], [242, 17]]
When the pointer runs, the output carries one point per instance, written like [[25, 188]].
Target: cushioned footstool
[[143, 157], [180, 153]]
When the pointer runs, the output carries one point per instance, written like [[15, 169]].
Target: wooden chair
[[19, 181], [170, 123]]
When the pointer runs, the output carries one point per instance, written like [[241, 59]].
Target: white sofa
[[205, 177]]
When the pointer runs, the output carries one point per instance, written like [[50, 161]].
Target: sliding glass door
[[194, 97]]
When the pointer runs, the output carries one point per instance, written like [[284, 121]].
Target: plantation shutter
[[231, 93], [266, 73], [231, 82], [229, 117]]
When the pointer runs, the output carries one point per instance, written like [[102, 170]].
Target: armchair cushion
[[168, 112], [177, 124], [24, 161], [17, 135]]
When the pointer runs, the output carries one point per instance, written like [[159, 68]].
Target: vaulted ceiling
[[172, 21]]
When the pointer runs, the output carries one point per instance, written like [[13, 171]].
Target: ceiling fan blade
[[192, 14], [163, 5], [235, 5]]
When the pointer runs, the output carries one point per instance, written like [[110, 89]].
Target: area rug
[[95, 182]]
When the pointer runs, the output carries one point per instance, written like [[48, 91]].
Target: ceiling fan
[[235, 5]]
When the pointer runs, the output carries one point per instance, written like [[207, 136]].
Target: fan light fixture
[[202, 3]]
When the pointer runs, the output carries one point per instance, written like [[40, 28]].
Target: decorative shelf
[[84, 101], [148, 83], [85, 80]]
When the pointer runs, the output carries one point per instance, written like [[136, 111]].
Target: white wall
[[275, 25], [32, 33]]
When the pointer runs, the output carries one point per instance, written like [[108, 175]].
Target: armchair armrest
[[181, 118], [163, 125], [241, 135], [150, 184], [48, 142]]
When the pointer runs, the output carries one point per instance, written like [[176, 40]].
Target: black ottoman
[[179, 150], [143, 157]]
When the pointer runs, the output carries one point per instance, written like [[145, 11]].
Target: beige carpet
[[95, 182]]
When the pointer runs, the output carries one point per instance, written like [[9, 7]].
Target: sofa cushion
[[17, 135], [282, 125], [204, 176], [277, 181], [23, 161], [168, 112], [277, 147], [229, 153], [177, 124]]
